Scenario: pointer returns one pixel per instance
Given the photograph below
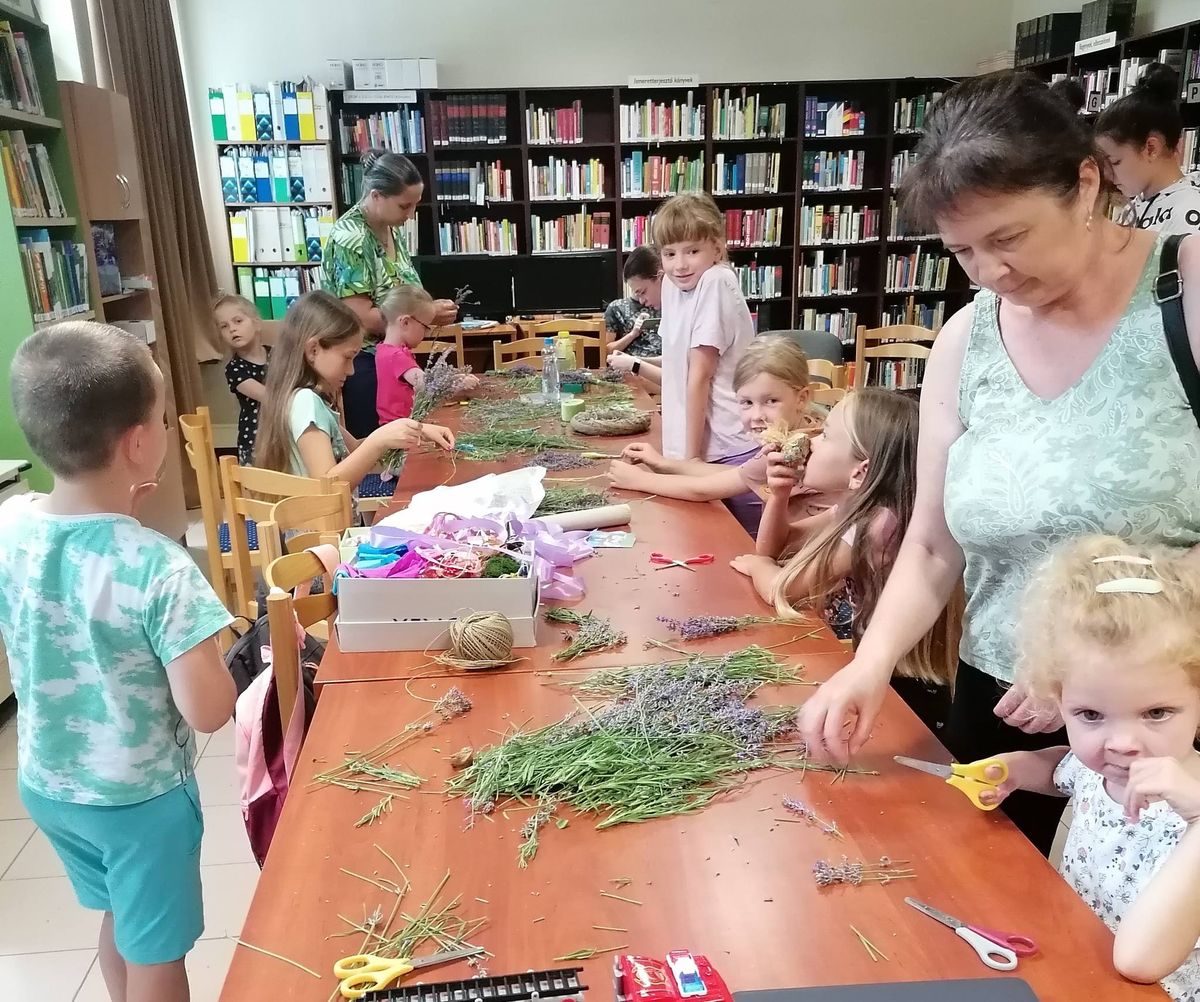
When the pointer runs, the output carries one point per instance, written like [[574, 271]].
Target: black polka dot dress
[[237, 371]]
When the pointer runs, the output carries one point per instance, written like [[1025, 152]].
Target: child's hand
[[1154, 779], [626, 476], [440, 436], [644, 453], [747, 562], [781, 478], [1018, 772], [404, 433], [619, 360]]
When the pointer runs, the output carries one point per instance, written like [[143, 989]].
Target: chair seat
[[227, 545], [374, 486]]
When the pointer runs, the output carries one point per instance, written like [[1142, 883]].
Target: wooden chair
[[821, 370], [580, 329], [897, 342], [251, 495], [523, 351], [441, 338], [201, 453], [827, 396], [283, 576]]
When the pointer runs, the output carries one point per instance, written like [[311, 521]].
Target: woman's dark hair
[[643, 262], [388, 173], [1071, 91], [1152, 106], [1000, 133]]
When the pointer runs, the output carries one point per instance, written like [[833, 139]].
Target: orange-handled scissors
[[971, 778], [665, 561], [365, 972]]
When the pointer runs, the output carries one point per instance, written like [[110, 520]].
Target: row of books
[[560, 179], [400, 131], [554, 126], [833, 118], [636, 231], [478, 236], [479, 183], [754, 227], [746, 174], [833, 169], [901, 162], [32, 187], [579, 231], [1191, 65], [898, 229], [838, 224], [55, 272], [828, 274], [895, 374], [18, 78], [653, 121], [760, 281], [928, 315], [282, 111], [1051, 35], [1103, 86], [908, 113], [477, 119], [1190, 140], [656, 176], [273, 235], [843, 323], [918, 271], [275, 174], [746, 116], [274, 290]]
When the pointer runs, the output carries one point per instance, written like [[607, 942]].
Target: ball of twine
[[479, 640], [613, 421]]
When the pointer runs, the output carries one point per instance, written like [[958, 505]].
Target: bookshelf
[[40, 222]]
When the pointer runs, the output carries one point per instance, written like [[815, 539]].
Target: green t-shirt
[[355, 263], [92, 609], [309, 410]]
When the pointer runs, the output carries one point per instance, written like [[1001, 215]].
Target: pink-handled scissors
[[687, 565], [998, 950]]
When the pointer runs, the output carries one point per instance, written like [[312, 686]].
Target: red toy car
[[682, 977]]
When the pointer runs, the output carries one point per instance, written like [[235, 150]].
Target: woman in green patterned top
[[365, 258], [1051, 409]]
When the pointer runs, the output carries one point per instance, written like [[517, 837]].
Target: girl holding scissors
[[1111, 634]]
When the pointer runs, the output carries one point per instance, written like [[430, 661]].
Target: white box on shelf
[[338, 74], [369, 74], [143, 330], [428, 73]]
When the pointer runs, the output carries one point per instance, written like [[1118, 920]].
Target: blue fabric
[[227, 543], [374, 486], [139, 861]]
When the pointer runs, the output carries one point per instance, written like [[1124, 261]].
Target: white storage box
[[414, 614]]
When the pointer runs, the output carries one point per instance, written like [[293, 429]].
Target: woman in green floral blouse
[[365, 257]]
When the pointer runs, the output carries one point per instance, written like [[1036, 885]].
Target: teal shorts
[[139, 861]]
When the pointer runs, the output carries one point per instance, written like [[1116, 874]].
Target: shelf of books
[[43, 258], [273, 143]]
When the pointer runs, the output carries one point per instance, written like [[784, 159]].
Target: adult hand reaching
[[1019, 709], [837, 719], [445, 311]]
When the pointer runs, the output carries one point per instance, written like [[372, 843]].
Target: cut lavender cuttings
[[652, 741], [700, 627], [594, 633], [858, 873], [557, 460], [806, 813]]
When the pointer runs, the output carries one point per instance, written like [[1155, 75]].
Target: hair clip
[[1121, 558], [1135, 586]]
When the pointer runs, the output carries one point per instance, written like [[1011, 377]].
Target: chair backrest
[[898, 341], [251, 495], [201, 453], [523, 351], [821, 370], [317, 514], [441, 338], [826, 396], [817, 345], [598, 338]]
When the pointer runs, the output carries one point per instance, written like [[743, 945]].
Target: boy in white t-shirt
[[705, 327]]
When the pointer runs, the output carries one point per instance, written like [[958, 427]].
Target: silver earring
[[1089, 222]]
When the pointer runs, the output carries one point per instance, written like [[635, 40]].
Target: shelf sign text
[[1095, 43], [643, 81]]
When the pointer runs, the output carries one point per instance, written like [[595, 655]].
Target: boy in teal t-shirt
[[111, 632]]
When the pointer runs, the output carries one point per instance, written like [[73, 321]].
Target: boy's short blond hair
[[402, 301], [687, 217], [233, 299]]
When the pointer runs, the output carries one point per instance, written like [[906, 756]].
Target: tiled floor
[[41, 922]]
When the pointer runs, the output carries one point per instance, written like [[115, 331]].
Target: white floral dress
[[1108, 860]]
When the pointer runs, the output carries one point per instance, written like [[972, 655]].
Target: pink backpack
[[267, 757]]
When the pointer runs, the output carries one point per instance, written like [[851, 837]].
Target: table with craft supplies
[[625, 585], [735, 880]]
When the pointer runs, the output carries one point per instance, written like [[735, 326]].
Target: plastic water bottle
[[551, 391]]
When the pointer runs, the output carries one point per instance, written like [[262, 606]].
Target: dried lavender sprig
[[595, 633], [558, 460], [808, 814], [701, 627], [529, 831], [856, 873]]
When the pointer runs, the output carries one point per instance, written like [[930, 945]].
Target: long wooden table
[[731, 881]]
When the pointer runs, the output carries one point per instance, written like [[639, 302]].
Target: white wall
[[1151, 14]]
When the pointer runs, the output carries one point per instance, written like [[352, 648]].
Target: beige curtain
[[137, 54]]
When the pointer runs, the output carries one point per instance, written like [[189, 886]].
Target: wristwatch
[[636, 365]]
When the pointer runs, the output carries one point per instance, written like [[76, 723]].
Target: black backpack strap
[[1168, 293]]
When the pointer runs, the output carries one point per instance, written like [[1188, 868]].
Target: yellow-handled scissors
[[971, 777], [364, 972]]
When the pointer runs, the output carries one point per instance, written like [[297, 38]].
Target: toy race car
[[682, 977]]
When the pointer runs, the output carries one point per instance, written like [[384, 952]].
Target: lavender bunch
[[529, 831], [701, 627], [558, 460], [858, 873], [441, 382], [807, 814], [594, 633], [453, 704]]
